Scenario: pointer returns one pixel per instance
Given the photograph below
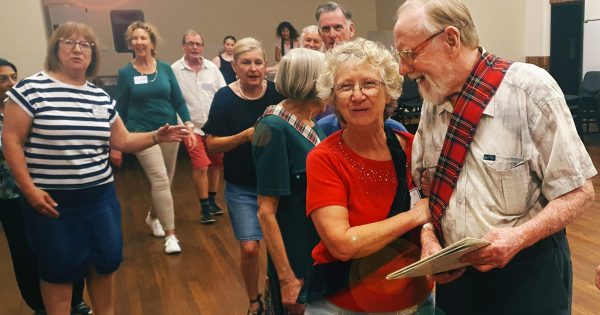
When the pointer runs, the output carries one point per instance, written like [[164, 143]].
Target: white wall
[[501, 26], [214, 19], [23, 35], [510, 28], [591, 37], [537, 28]]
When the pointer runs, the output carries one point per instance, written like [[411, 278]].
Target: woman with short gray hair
[[283, 137]]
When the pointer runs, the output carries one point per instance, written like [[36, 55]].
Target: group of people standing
[[496, 156]]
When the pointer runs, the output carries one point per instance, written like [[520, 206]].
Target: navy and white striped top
[[68, 145]]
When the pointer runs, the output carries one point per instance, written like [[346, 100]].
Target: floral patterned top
[[8, 186]]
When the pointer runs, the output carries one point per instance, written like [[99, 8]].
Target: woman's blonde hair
[[149, 28], [245, 45]]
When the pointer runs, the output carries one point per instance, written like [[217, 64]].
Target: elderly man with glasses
[[498, 154], [199, 80]]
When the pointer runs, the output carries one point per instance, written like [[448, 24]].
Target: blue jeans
[[243, 211]]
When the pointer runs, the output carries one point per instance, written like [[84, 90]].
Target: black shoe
[[81, 309], [206, 217], [42, 312], [215, 210]]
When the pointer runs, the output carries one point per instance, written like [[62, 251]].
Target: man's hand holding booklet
[[442, 261]]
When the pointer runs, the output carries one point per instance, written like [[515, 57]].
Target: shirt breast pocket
[[511, 174]]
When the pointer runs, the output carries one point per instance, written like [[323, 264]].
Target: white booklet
[[444, 260]]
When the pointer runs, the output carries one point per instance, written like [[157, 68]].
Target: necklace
[[146, 75], [262, 89]]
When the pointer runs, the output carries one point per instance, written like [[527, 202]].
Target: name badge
[[208, 87], [140, 79], [100, 112], [414, 197]]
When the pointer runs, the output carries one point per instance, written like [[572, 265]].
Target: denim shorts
[[242, 207], [86, 233]]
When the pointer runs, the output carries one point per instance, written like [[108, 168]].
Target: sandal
[[260, 309]]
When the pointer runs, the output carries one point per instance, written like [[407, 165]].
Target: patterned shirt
[[68, 145], [525, 153]]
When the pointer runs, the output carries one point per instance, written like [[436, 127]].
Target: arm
[[16, 130], [290, 285], [277, 54], [217, 61], [217, 144], [507, 242], [345, 242], [123, 140]]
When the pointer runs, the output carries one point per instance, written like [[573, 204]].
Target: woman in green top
[[148, 97], [282, 139]]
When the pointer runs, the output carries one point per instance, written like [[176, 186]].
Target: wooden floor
[[205, 278]]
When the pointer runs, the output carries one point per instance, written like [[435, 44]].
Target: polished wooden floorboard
[[205, 278]]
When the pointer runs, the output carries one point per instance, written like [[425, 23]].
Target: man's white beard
[[438, 90]]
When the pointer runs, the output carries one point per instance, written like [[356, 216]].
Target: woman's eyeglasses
[[367, 87], [83, 45]]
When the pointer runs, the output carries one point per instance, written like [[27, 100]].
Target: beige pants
[[158, 162]]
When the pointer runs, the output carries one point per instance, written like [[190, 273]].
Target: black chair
[[409, 103], [585, 107]]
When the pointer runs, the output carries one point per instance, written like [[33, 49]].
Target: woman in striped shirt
[[57, 135]]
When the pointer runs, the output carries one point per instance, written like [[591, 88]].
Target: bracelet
[[154, 137], [428, 225]]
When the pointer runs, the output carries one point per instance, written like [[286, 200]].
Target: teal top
[[8, 186], [279, 152], [146, 102]]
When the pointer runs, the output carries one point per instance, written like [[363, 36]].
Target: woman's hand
[[116, 158], [421, 211], [289, 295], [42, 202], [177, 133], [248, 134]]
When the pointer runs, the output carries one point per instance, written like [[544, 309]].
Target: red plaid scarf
[[472, 100], [303, 129]]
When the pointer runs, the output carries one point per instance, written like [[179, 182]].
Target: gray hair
[[247, 44], [191, 32], [298, 72], [440, 14], [330, 7], [356, 52]]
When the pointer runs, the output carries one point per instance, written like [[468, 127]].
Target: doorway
[[566, 45]]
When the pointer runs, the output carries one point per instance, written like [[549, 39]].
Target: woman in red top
[[359, 201]]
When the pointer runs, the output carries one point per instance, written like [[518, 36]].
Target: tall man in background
[[199, 80], [335, 23]]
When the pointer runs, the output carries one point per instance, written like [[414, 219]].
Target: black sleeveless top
[[227, 70]]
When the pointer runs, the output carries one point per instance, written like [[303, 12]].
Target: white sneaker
[[154, 224], [172, 245]]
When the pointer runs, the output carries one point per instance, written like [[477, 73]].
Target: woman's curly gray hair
[[357, 52]]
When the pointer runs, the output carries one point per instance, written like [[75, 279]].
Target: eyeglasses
[[193, 44], [346, 89], [83, 45], [4, 78], [410, 54]]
